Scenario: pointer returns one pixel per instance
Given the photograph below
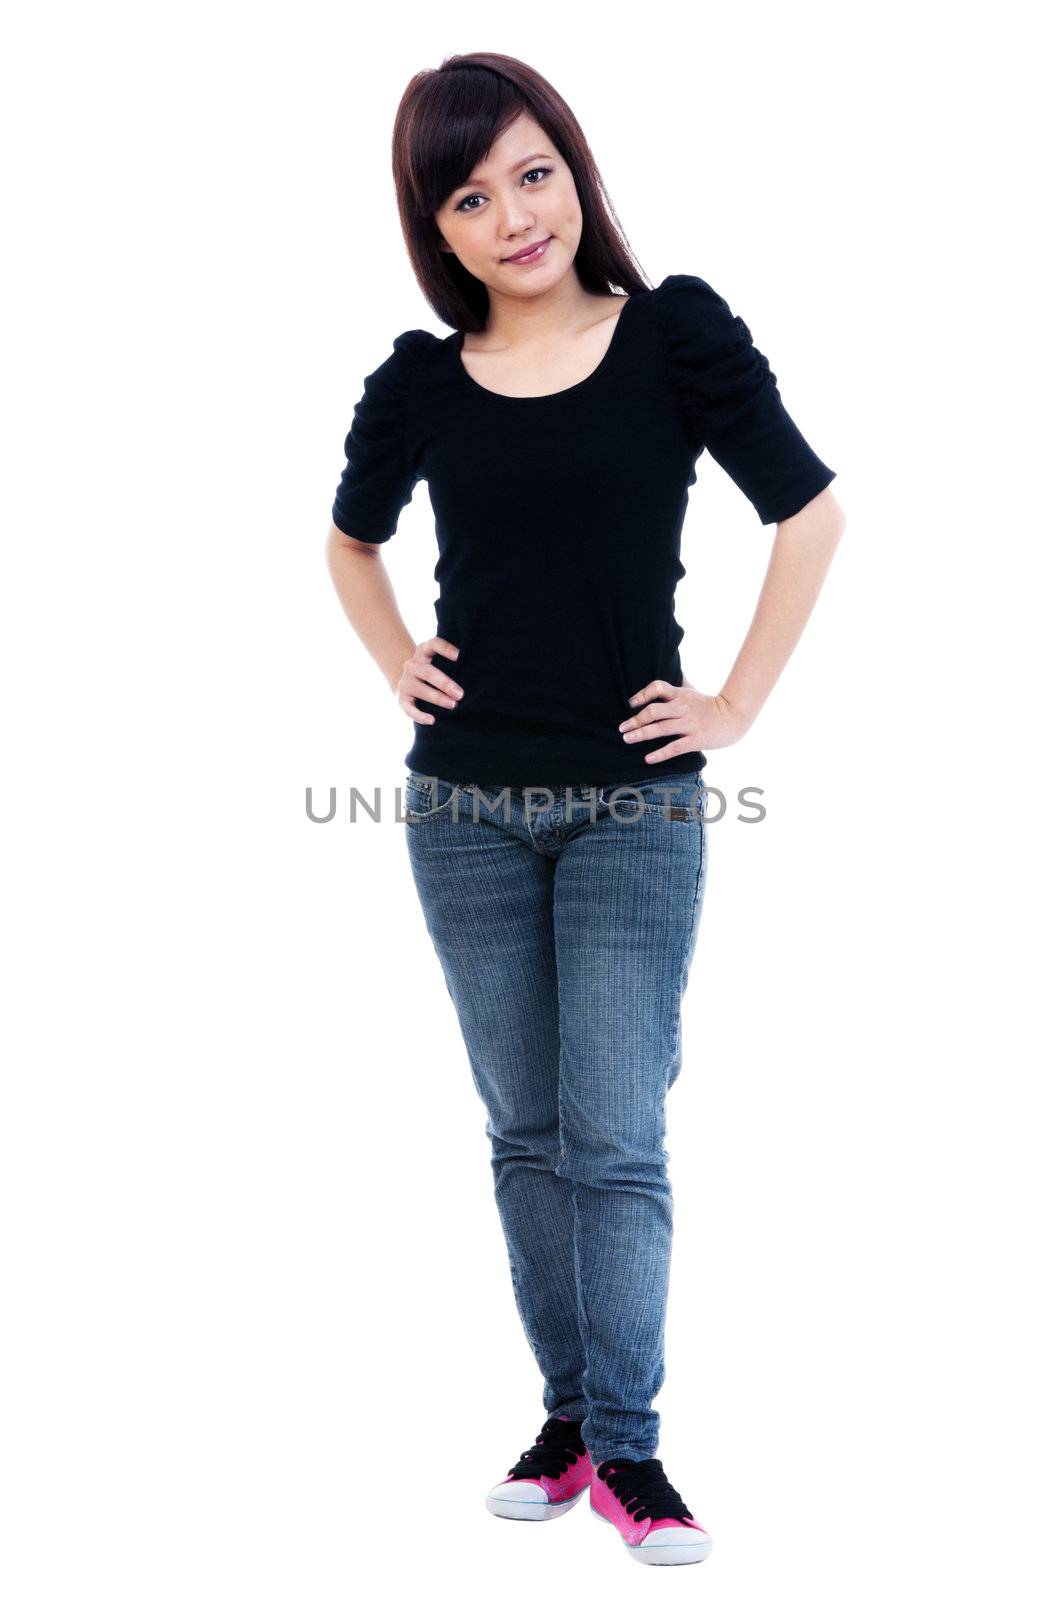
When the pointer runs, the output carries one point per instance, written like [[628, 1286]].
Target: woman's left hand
[[699, 721]]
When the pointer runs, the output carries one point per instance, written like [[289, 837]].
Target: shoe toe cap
[[525, 1490], [658, 1536]]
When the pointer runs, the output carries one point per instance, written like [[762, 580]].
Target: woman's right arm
[[364, 587]]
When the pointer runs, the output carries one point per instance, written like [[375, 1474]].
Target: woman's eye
[[462, 204]]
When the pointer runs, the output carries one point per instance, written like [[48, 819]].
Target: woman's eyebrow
[[537, 156]]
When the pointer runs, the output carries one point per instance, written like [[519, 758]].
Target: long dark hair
[[447, 121]]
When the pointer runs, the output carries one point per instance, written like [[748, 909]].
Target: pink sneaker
[[636, 1497], [549, 1478]]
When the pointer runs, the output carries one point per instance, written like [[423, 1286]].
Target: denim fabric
[[565, 936]]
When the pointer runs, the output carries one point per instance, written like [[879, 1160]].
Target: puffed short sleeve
[[731, 402], [378, 479]]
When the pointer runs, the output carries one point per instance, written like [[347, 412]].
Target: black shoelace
[[642, 1488], [558, 1447]]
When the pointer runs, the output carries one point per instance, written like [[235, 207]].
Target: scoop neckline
[[556, 394]]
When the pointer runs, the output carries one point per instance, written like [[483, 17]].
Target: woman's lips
[[529, 257]]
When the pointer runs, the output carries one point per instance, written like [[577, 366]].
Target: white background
[[260, 1337]]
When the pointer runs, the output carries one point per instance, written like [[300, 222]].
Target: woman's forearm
[[803, 550], [364, 587]]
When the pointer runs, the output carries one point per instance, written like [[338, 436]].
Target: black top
[[558, 521]]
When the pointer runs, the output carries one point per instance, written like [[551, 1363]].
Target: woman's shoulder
[[417, 339], [698, 333], [407, 348], [390, 382], [683, 301]]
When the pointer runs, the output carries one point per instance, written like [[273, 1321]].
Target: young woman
[[554, 797]]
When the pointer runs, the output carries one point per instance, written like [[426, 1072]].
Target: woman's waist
[[526, 749]]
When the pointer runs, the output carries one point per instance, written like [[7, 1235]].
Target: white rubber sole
[[681, 1554], [532, 1510]]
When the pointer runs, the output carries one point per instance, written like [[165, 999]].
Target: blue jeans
[[565, 939]]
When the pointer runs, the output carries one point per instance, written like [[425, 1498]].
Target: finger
[[442, 647], [651, 713], [435, 696], [678, 747], [411, 710], [439, 678], [659, 728], [657, 689]]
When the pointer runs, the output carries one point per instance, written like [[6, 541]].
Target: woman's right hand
[[422, 681]]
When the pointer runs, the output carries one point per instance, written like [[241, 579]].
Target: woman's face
[[523, 194]]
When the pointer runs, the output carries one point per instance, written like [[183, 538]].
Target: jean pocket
[[427, 797], [672, 800]]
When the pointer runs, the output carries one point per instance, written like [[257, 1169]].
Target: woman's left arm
[[803, 550]]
